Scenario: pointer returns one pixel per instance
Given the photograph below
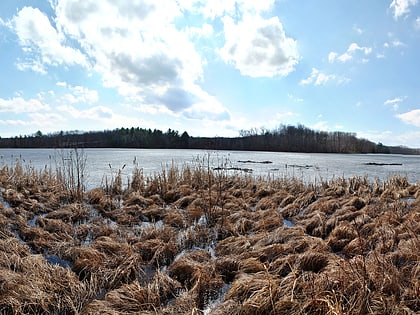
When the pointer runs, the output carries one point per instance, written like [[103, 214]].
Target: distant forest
[[283, 139]]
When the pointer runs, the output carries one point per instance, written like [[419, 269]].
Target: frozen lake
[[306, 166]]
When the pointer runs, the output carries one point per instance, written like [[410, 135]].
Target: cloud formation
[[259, 47], [395, 102], [401, 7], [349, 54], [80, 95], [411, 117], [18, 105], [141, 49], [43, 44], [318, 78]]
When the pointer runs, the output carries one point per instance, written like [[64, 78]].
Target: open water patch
[[145, 225], [5, 203], [32, 222], [410, 200], [288, 223], [55, 260], [214, 303]]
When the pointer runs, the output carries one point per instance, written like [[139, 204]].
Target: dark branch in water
[[246, 170], [381, 164], [299, 166], [256, 162]]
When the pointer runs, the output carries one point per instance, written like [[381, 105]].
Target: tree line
[[285, 138]]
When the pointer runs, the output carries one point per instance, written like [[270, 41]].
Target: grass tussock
[[192, 240]]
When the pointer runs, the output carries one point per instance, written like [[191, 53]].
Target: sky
[[211, 68]]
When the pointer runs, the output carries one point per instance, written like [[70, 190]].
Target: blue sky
[[211, 68]]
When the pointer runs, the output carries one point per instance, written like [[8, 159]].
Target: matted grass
[[196, 241]]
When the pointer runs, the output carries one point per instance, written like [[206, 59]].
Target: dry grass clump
[[11, 246], [341, 236], [74, 213], [55, 226], [269, 253], [157, 252], [315, 224], [326, 204], [234, 246], [40, 240], [256, 293], [267, 221], [174, 218], [30, 285], [312, 261], [128, 299], [228, 268], [198, 275], [184, 268], [106, 264], [99, 199]]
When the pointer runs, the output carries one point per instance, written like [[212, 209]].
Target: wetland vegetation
[[197, 240]]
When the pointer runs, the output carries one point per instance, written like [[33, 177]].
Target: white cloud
[[94, 113], [206, 107], [394, 43], [34, 65], [144, 50], [36, 34], [332, 56], [401, 7], [259, 47], [20, 105], [358, 30], [397, 43], [80, 94], [376, 136], [321, 125], [394, 102], [45, 120], [218, 8], [411, 117], [151, 109], [355, 47], [318, 78], [410, 139], [295, 98], [16, 122], [98, 117], [349, 54], [162, 65], [345, 57]]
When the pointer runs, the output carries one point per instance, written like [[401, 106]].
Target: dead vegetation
[[197, 241]]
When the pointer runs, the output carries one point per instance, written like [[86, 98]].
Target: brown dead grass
[[220, 245]]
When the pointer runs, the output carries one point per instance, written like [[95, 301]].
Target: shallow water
[[218, 300], [55, 260], [288, 223]]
